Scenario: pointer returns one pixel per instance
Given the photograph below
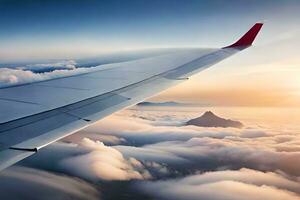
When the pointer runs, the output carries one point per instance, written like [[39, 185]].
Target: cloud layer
[[103, 162], [205, 149], [244, 184], [90, 160], [180, 162], [40, 72], [26, 183]]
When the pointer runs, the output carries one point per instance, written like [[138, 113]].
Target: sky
[[70, 27], [264, 75]]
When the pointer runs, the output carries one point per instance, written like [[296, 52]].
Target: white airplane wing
[[36, 114]]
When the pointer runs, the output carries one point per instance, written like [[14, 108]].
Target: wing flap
[[10, 157]]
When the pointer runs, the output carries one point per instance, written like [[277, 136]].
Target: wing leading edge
[[81, 100]]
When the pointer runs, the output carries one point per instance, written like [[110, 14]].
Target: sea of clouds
[[165, 161]]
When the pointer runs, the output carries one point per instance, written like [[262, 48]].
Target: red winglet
[[248, 38]]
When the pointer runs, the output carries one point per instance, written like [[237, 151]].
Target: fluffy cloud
[[48, 67], [203, 149], [105, 163], [211, 153], [139, 132], [90, 160], [26, 74], [244, 184], [26, 183], [106, 139]]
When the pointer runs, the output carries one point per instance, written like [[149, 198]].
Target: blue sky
[[72, 28]]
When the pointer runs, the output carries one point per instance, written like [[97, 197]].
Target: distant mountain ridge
[[209, 119], [167, 103]]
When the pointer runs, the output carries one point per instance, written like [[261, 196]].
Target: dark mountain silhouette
[[209, 119]]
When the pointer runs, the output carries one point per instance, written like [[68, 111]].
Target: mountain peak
[[208, 113], [209, 119]]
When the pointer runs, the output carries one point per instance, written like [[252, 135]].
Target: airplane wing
[[36, 114]]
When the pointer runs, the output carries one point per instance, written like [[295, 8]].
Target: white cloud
[[106, 139], [244, 184], [90, 160], [211, 153], [103, 162], [65, 64], [202, 148], [26, 183], [22, 75]]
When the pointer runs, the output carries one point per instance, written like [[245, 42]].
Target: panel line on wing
[[19, 101], [55, 86]]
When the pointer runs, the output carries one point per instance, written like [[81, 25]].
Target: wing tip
[[248, 38]]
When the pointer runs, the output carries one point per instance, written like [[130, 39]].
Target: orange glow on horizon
[[261, 85]]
